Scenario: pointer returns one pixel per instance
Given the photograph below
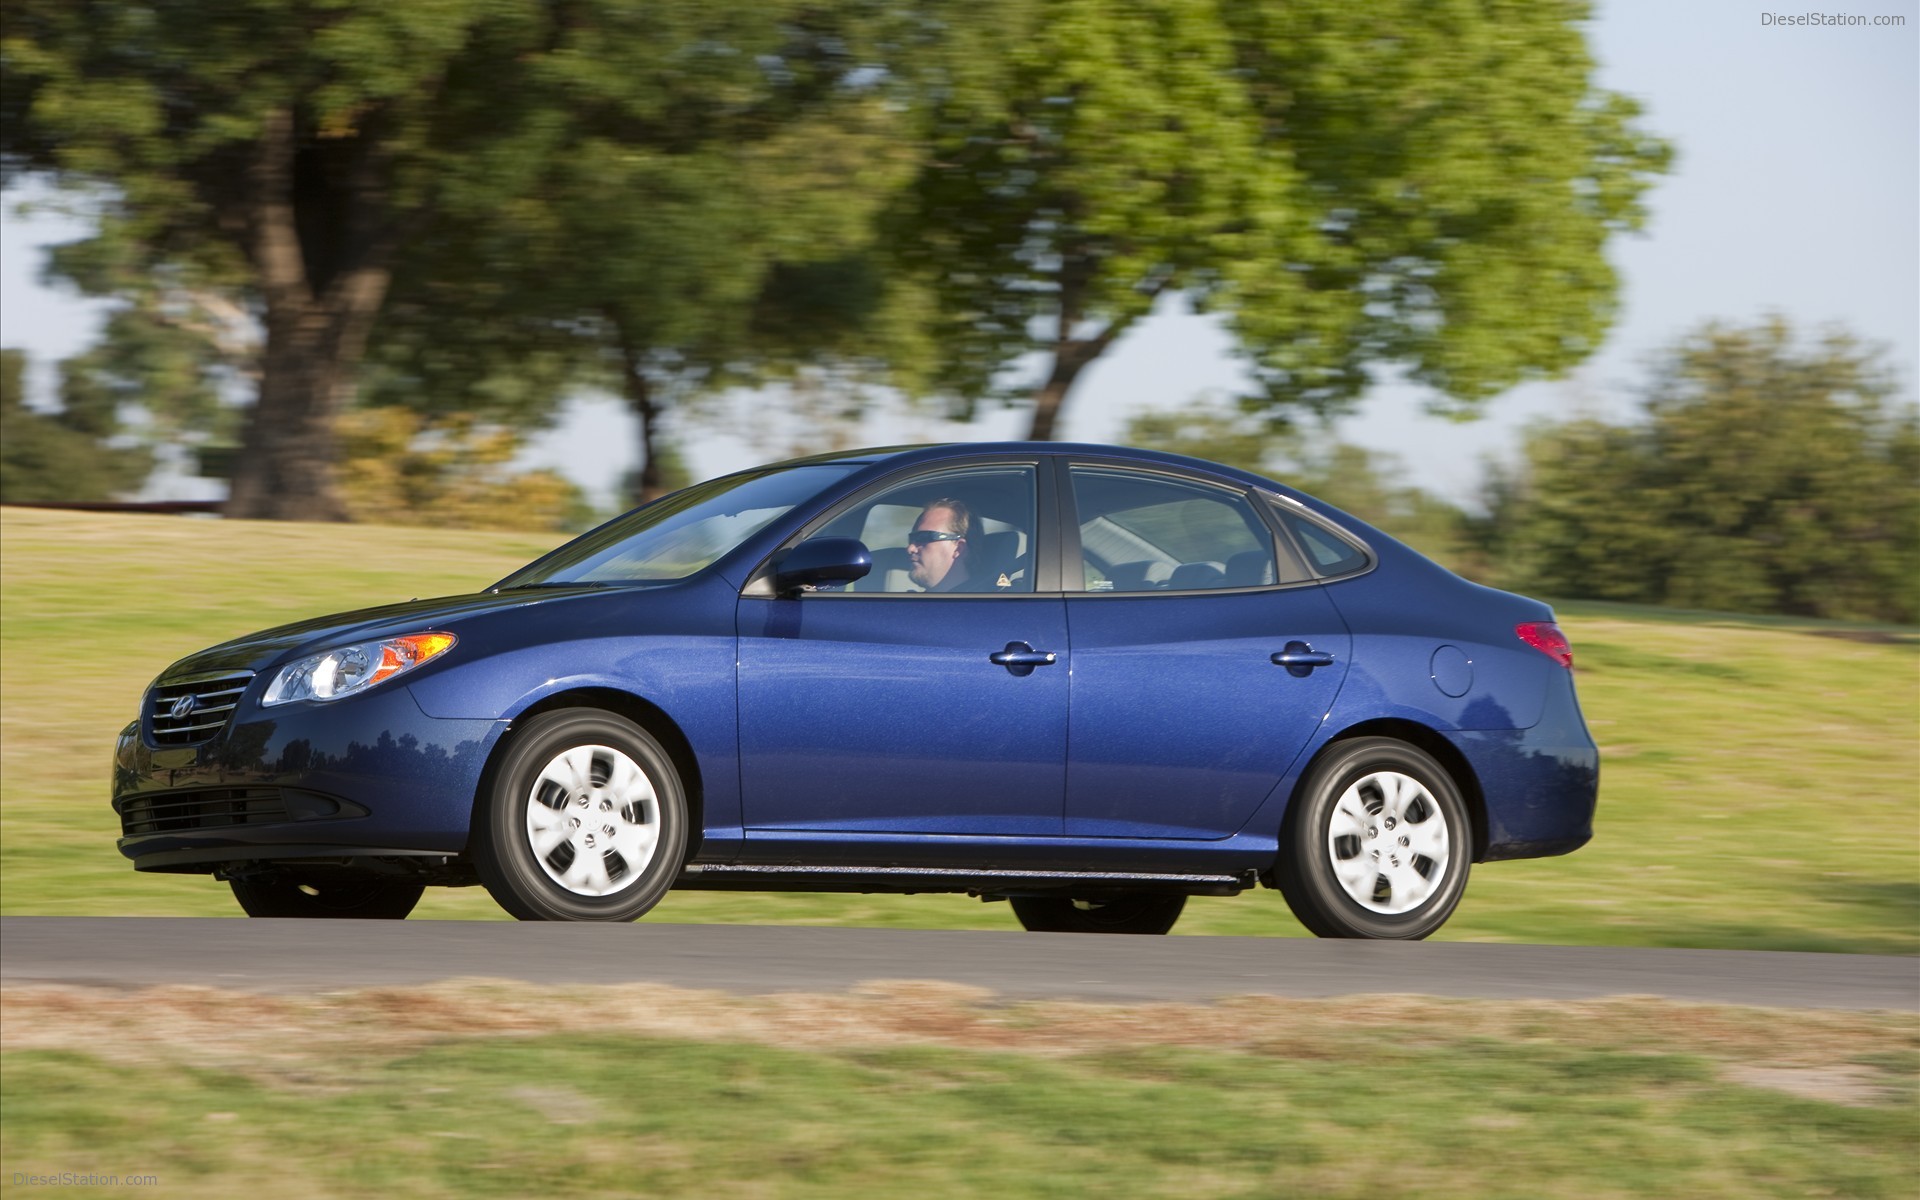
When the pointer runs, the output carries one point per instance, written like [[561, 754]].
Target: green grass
[[1315, 1104], [1758, 774]]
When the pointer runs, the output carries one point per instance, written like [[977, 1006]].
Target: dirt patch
[[1844, 1084], [1871, 637], [294, 1037]]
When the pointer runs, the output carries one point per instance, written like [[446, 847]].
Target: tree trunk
[[1053, 393], [322, 286], [1071, 355], [647, 483], [286, 468], [285, 471]]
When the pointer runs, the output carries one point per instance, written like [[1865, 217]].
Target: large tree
[[284, 147], [1420, 183], [293, 149], [658, 273], [1767, 473]]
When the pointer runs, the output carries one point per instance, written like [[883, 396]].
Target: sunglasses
[[926, 537]]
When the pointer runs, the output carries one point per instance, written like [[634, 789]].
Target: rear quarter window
[[1329, 554]]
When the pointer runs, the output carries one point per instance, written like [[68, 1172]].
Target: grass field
[[919, 1090], [1758, 775]]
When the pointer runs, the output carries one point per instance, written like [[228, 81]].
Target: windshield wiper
[[549, 583]]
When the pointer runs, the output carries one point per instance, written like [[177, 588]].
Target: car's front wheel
[[1132, 912], [326, 895], [586, 820], [1378, 843]]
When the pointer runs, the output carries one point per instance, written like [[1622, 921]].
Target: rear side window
[[1142, 532], [1327, 552]]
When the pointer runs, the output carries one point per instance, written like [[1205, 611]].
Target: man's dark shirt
[[955, 580]]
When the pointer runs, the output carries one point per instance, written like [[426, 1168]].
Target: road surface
[[305, 956]]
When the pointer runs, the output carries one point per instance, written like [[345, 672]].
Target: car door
[[878, 708], [1204, 657]]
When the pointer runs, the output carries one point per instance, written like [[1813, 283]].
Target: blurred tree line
[[471, 208], [1762, 473], [61, 455]]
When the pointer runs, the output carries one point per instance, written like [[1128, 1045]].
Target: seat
[[998, 554], [1196, 576], [1250, 568], [1145, 576], [889, 574]]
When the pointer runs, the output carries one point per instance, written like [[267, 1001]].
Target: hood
[[256, 651]]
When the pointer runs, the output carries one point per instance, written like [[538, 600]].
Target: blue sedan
[[1086, 680]]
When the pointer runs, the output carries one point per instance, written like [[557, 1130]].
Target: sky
[[1796, 190]]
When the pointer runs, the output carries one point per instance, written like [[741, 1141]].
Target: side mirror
[[819, 561]]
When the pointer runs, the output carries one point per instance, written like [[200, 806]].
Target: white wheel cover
[[593, 820], [1388, 843]]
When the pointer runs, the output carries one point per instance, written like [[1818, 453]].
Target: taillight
[[1546, 637]]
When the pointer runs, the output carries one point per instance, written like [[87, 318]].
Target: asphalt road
[[294, 956]]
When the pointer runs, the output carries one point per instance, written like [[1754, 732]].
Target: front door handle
[[1020, 659], [1300, 659]]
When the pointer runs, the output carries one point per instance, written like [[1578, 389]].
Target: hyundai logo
[[183, 707]]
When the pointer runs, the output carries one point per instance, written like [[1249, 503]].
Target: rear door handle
[[1300, 659], [1020, 659]]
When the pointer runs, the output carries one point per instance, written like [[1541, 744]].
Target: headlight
[[352, 669]]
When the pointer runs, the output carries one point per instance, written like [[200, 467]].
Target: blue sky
[[1797, 191]]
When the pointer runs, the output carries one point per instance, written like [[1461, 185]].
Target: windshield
[[679, 534]]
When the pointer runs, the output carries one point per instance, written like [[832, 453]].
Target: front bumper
[[370, 776]]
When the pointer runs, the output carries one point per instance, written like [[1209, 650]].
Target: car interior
[[1140, 534], [1001, 502]]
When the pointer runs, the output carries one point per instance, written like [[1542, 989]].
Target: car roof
[[934, 451]]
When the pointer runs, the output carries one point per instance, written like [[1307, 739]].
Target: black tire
[[1131, 912], [620, 877], [1419, 836], [336, 894]]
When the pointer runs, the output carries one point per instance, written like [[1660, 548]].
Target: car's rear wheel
[[326, 895], [1377, 844], [586, 820], [1131, 912]]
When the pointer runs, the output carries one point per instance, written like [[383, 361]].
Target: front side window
[[1154, 533], [680, 534], [966, 532]]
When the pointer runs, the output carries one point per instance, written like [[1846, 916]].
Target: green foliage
[[397, 469], [1349, 477], [506, 199], [662, 262], [278, 148], [169, 357], [155, 112], [548, 192], [63, 455], [1766, 475], [1418, 183]]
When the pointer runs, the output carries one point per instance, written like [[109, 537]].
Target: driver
[[937, 548]]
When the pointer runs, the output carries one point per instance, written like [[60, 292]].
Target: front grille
[[214, 698], [215, 808]]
